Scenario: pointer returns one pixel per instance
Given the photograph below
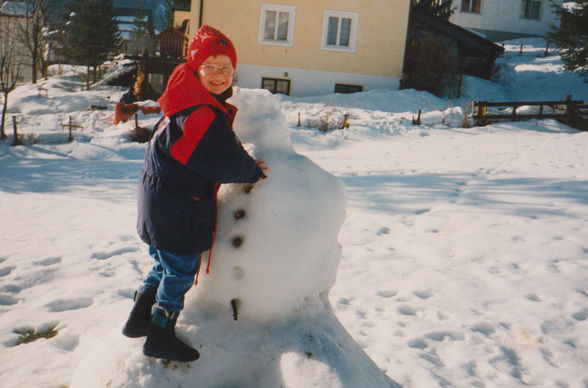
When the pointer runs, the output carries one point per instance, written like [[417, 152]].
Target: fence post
[[571, 109], [345, 119], [70, 134], [15, 141], [417, 121], [480, 109]]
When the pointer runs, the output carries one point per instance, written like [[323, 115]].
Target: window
[[531, 9], [339, 31], [471, 6], [276, 85], [276, 25], [344, 88]]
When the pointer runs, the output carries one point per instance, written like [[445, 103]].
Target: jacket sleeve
[[209, 147]]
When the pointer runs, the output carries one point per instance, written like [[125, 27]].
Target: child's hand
[[261, 164]]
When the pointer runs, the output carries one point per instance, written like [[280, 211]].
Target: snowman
[[261, 316]]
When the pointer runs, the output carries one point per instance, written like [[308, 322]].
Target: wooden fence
[[571, 112]]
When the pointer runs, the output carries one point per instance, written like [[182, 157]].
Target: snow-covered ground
[[464, 254]]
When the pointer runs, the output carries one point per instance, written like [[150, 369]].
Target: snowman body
[[276, 241]]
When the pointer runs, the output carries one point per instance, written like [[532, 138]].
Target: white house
[[506, 19]]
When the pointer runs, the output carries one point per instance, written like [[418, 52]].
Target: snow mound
[[383, 100]]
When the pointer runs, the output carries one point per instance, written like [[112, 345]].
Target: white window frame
[[354, 16], [471, 9], [291, 11], [523, 10]]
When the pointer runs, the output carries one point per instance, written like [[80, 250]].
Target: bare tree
[[9, 72], [32, 31]]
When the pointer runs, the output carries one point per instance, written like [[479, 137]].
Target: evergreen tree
[[91, 35], [571, 38], [142, 33], [169, 14]]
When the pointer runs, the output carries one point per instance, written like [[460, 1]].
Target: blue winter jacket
[[192, 151]]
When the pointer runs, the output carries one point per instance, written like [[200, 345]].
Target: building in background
[[500, 20], [309, 47]]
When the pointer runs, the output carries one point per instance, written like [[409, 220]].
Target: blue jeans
[[170, 278]]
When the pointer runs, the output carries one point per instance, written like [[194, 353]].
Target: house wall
[[502, 19], [375, 63], [179, 17]]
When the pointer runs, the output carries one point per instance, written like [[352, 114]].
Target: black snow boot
[[140, 316], [162, 341]]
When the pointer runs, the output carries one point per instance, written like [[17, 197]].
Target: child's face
[[216, 73]]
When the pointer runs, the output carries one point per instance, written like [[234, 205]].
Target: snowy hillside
[[464, 260]]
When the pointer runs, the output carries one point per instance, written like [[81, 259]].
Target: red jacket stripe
[[194, 128]]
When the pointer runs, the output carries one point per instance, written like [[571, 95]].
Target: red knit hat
[[206, 42]]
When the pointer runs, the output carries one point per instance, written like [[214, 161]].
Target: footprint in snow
[[11, 289], [583, 292], [69, 304], [108, 255], [6, 271], [433, 358], [423, 294], [471, 369], [553, 267], [387, 293], [484, 328], [437, 336], [7, 300], [418, 343], [383, 230], [406, 310], [581, 315], [127, 293], [35, 277], [533, 297], [68, 343], [508, 361], [49, 261]]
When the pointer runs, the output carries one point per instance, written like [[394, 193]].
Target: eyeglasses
[[211, 69]]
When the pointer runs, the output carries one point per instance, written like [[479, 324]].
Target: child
[[193, 150]]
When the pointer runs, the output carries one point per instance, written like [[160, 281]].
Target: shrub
[[329, 120], [28, 335], [140, 134]]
